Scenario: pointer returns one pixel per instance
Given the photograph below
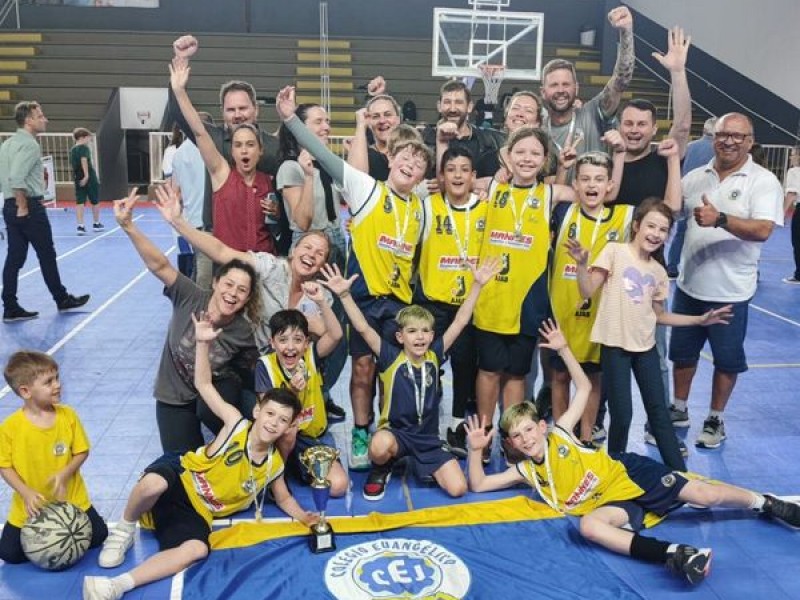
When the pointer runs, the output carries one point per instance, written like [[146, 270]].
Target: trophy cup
[[318, 460]]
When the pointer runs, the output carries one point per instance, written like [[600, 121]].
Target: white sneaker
[[100, 588], [117, 543]]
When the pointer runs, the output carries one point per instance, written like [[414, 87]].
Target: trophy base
[[320, 542]]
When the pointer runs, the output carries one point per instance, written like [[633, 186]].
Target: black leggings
[[617, 365], [11, 546], [179, 425]]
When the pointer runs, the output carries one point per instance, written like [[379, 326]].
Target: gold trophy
[[318, 461]]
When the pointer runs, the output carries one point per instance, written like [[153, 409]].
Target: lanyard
[[552, 501], [596, 229], [400, 235], [463, 251], [525, 203], [419, 390], [253, 485]]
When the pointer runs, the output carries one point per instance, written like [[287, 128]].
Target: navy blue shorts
[[662, 487], [176, 521], [425, 452], [726, 341], [499, 353], [380, 313]]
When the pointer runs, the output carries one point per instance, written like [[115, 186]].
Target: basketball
[[57, 537]]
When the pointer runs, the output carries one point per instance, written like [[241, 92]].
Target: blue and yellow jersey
[[228, 481], [583, 478], [576, 316], [404, 384], [447, 236], [384, 235], [518, 232], [312, 420]]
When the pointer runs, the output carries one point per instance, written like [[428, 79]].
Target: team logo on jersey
[[394, 280], [572, 232], [563, 451], [59, 448], [533, 202], [397, 568], [505, 264], [460, 288], [668, 480], [613, 236]]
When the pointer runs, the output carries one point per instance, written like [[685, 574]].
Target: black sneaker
[[71, 302], [18, 313], [786, 512], [335, 412], [457, 440], [81, 230], [97, 227], [690, 562], [377, 480]]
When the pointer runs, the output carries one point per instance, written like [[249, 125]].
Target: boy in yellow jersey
[[454, 225], [609, 495], [42, 448], [387, 220], [594, 225], [409, 420], [182, 494], [293, 363]]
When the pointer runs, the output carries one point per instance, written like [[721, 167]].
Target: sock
[[679, 404], [456, 421], [364, 427], [715, 413], [650, 549], [124, 583], [126, 525], [758, 502]]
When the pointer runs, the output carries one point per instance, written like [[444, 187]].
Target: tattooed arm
[[611, 95]]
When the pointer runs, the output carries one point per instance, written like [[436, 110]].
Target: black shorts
[[662, 487], [557, 363], [425, 452], [176, 521], [498, 353], [380, 313]]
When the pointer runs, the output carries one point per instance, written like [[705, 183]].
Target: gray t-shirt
[[290, 174], [175, 378]]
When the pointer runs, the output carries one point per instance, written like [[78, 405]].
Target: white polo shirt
[[717, 266]]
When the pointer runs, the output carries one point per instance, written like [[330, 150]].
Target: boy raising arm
[[608, 494]]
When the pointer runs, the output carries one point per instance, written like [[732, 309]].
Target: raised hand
[[446, 131], [668, 148], [706, 214], [306, 162], [614, 140], [313, 290], [185, 46], [621, 18], [361, 118], [123, 209], [488, 268], [333, 280], [554, 338], [285, 103], [677, 49], [717, 316], [377, 86], [203, 328], [168, 202], [179, 70], [579, 254], [478, 434]]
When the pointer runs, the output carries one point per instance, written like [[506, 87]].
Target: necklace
[[254, 486], [463, 251], [419, 390]]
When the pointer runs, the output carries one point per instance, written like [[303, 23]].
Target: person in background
[[86, 185]]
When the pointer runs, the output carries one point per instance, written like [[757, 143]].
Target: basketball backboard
[[463, 39]]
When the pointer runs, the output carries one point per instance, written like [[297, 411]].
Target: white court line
[[95, 313], [74, 250], [776, 315]]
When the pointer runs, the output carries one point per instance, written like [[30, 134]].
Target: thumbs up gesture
[[706, 214]]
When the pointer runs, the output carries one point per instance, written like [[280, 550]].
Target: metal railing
[[58, 146], [7, 8]]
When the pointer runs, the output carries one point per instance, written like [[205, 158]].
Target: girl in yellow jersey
[[183, 494], [516, 301], [609, 494], [594, 225], [455, 221], [387, 220]]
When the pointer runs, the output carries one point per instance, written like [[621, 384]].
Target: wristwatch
[[722, 220]]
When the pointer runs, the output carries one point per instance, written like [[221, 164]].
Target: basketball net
[[492, 76]]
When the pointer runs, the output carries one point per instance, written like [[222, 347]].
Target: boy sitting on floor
[[409, 420], [607, 494]]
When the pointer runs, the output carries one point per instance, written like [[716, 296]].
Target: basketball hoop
[[492, 76]]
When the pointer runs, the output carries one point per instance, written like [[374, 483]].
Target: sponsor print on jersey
[[585, 488], [454, 263], [570, 271], [508, 239], [397, 568], [401, 248]]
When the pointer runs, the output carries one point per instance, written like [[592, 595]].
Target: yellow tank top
[[575, 479], [228, 481], [575, 315], [518, 232], [312, 420], [453, 235], [384, 237]]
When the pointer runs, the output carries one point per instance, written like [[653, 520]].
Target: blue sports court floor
[[108, 355]]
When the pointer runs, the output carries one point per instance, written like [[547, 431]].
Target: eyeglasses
[[738, 138]]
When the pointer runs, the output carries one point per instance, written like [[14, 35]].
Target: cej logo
[[397, 568]]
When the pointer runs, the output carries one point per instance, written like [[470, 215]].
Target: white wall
[[758, 38]]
